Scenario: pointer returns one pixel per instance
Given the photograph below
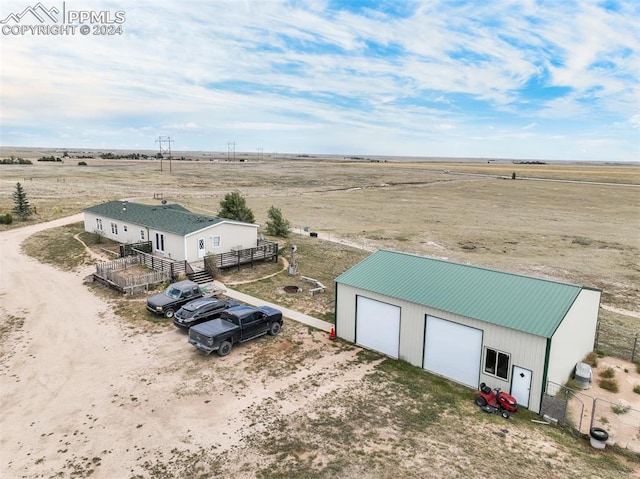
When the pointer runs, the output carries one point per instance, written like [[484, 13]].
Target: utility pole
[[164, 149], [231, 147], [260, 150]]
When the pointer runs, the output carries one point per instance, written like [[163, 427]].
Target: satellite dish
[[164, 202]]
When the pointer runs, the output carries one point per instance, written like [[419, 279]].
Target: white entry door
[[521, 385], [201, 248]]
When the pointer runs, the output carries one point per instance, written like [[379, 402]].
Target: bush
[[636, 389], [620, 408], [573, 385], [6, 219], [609, 385], [638, 367], [608, 373], [82, 163], [591, 359]]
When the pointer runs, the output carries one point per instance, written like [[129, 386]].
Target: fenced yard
[[579, 411], [129, 274]]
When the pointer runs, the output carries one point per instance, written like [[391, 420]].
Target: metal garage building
[[467, 323]]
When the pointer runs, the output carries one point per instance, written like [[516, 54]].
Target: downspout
[[545, 371]]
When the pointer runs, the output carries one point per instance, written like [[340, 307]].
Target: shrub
[[638, 367], [608, 373], [636, 389], [591, 359], [82, 163], [6, 219], [573, 385], [620, 408], [609, 385]]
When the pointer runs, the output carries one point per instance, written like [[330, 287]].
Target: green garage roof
[[532, 305], [167, 218]]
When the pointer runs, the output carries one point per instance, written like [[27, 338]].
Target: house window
[[159, 242], [124, 228], [215, 240], [98, 224], [142, 235], [496, 363], [114, 228]]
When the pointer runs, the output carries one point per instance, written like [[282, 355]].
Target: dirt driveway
[[83, 395]]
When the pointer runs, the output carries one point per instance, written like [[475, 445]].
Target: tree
[[234, 207], [22, 208], [277, 225]]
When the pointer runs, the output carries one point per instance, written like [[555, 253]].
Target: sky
[[517, 79]]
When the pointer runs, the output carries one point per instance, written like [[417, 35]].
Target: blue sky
[[494, 79]]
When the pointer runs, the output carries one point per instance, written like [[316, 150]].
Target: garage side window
[[496, 363]]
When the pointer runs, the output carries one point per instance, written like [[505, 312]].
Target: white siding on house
[[173, 245], [131, 235], [232, 236], [574, 337]]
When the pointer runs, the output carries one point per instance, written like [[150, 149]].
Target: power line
[[231, 148], [165, 149]]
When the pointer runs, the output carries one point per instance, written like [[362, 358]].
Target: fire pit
[[292, 289]]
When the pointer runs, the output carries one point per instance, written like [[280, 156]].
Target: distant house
[[467, 323], [173, 231]]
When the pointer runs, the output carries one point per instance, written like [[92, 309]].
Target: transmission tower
[[231, 148], [162, 141]]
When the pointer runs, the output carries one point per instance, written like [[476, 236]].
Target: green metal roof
[[167, 218], [523, 303]]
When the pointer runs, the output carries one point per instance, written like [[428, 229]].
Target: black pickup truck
[[173, 298], [235, 325]]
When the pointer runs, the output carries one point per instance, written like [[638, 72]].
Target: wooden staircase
[[200, 277]]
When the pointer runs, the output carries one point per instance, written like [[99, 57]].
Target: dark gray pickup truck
[[173, 298], [235, 325]]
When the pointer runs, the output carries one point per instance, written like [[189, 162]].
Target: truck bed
[[201, 335], [213, 327]]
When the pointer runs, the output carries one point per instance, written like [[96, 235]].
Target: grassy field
[[584, 233], [397, 421]]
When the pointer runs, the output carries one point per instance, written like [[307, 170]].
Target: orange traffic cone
[[332, 334]]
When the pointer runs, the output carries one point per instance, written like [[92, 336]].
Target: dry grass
[[574, 232]]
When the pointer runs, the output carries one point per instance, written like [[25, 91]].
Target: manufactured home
[[173, 231]]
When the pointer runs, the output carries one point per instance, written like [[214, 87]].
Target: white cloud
[[224, 69]]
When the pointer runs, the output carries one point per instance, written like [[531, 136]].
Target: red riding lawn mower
[[495, 401]]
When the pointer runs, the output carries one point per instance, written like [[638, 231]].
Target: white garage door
[[378, 326], [453, 350]]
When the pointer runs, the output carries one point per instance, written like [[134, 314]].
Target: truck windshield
[[173, 293]]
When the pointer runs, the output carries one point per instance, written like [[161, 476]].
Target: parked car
[[201, 310], [173, 298], [235, 325]]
